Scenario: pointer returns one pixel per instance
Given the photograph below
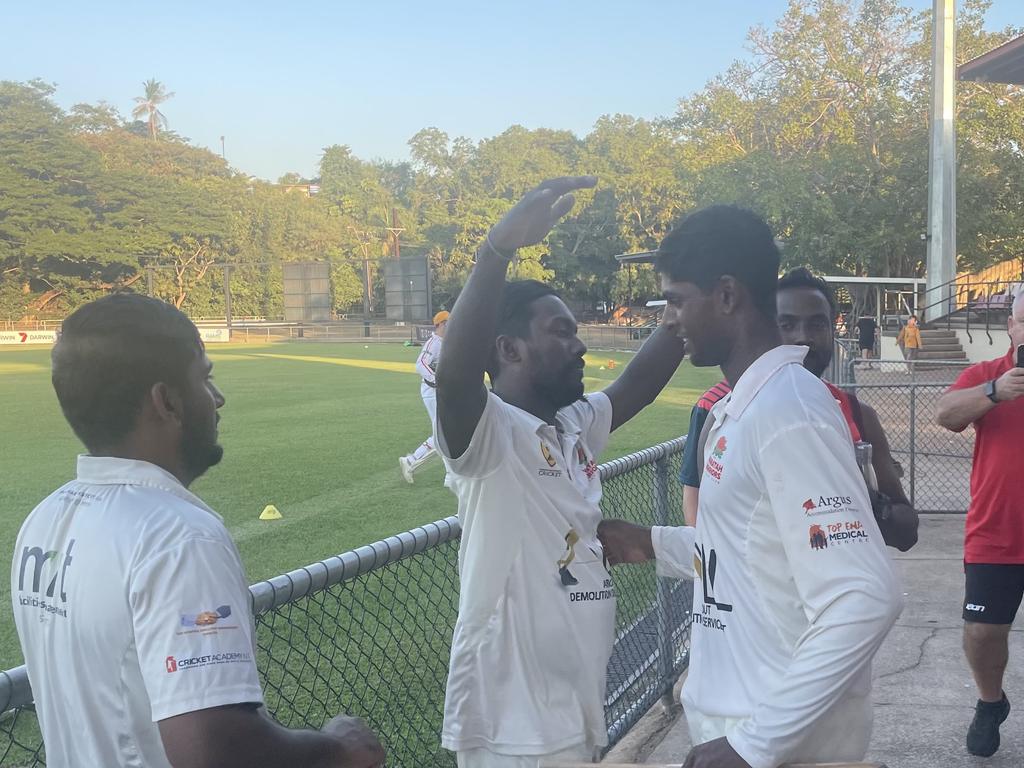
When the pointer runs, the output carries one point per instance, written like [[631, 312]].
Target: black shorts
[[992, 592]]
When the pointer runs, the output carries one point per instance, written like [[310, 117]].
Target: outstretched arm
[[242, 735], [469, 340], [646, 375]]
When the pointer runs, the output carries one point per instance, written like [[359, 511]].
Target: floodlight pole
[[941, 266]]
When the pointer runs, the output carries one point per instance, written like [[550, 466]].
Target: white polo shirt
[[794, 591], [132, 606], [536, 605], [426, 363]]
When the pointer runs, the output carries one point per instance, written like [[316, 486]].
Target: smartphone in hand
[[1020, 355]]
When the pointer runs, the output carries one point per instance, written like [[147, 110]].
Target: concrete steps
[[940, 344]]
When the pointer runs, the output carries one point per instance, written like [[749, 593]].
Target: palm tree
[[148, 105]]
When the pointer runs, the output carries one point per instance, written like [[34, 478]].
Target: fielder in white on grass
[[426, 367]]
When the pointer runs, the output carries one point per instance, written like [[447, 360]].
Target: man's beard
[[560, 390], [816, 362], [199, 449]]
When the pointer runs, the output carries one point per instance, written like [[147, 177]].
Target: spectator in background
[[841, 329], [867, 333], [910, 338], [426, 367], [990, 396], [129, 596]]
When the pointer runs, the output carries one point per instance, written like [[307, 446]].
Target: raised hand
[[530, 220]]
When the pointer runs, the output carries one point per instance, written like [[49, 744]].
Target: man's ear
[[727, 295], [166, 403], [508, 349]]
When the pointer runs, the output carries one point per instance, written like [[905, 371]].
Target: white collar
[[561, 425], [110, 470], [758, 374]]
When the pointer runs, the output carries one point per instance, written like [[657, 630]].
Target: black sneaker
[[983, 735]]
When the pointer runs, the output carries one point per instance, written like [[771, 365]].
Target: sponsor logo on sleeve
[[829, 505], [205, 618], [208, 622], [827, 535], [174, 664]]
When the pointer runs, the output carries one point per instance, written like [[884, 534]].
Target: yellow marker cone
[[270, 513]]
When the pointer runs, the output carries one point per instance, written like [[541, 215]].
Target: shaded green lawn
[[318, 437]]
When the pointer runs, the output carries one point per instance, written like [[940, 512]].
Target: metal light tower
[[941, 237]]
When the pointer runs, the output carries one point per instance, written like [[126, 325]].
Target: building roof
[[1004, 64]]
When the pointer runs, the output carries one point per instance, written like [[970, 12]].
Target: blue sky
[[283, 80]]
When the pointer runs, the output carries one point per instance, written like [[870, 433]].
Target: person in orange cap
[[426, 366]]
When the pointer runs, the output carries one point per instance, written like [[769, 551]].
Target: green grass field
[[315, 429]]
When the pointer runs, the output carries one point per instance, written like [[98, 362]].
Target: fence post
[[913, 440], [661, 512]]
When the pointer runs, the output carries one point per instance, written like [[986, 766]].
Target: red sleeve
[[972, 377]]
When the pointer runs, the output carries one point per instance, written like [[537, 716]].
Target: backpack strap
[[858, 414]]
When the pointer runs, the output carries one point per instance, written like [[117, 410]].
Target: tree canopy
[[822, 128]]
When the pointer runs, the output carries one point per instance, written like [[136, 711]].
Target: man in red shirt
[[990, 396]]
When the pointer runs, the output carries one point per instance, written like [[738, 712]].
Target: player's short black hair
[[515, 313], [109, 355], [802, 277], [723, 240]]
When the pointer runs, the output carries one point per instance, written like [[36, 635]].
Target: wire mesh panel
[[376, 646], [20, 742], [936, 462], [653, 617], [368, 632]]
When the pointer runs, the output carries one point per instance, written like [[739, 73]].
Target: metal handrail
[[949, 298]]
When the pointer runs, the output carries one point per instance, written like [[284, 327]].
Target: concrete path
[[924, 695]]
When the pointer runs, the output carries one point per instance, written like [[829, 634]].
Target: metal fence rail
[[368, 632]]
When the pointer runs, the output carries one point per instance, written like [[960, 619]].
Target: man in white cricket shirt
[[426, 367], [794, 591], [536, 605], [129, 596]]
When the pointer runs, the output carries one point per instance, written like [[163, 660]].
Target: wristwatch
[[990, 391]]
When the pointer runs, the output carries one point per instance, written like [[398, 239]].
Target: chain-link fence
[[20, 742], [936, 463], [368, 632]]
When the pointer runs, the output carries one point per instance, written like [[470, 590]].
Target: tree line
[[822, 128]]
